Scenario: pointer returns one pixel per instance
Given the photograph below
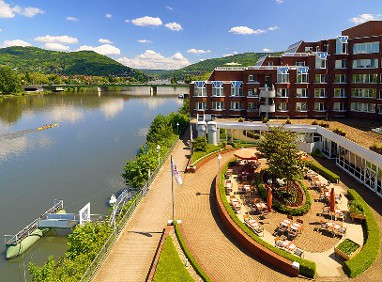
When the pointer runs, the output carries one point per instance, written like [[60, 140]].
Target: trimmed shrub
[[307, 267], [323, 171], [189, 255], [369, 252], [317, 153]]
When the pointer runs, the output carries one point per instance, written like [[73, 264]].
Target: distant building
[[338, 77]]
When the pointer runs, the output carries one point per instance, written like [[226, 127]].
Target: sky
[[171, 34]]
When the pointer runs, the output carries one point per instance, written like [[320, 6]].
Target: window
[[340, 64], [282, 75], [342, 45], [364, 78], [319, 107], [282, 92], [362, 107], [365, 64], [320, 78], [201, 106], [236, 88], [366, 48], [252, 107], [200, 89], [301, 107], [302, 92], [250, 78], [340, 78], [321, 60], [339, 93], [270, 64], [236, 105], [282, 107], [299, 63], [364, 93], [302, 75], [217, 89], [380, 94], [320, 93], [339, 106], [217, 105], [308, 49]]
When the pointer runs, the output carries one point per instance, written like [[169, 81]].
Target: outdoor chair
[[299, 252], [292, 234], [289, 217]]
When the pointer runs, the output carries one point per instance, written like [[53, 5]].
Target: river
[[79, 161]]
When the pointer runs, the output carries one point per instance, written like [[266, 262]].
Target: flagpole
[[172, 190]]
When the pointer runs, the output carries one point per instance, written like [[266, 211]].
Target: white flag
[[175, 172]]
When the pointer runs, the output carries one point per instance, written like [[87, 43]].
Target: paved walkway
[[132, 254]]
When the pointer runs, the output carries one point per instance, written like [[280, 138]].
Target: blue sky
[[171, 34]]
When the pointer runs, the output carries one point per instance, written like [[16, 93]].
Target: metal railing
[[96, 263]]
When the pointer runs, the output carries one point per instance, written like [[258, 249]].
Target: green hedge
[[307, 268], [369, 252], [283, 208], [334, 178], [189, 255]]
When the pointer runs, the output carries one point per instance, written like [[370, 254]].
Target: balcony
[[267, 108], [267, 92]]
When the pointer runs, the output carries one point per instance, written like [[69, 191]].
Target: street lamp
[[158, 151], [177, 128], [219, 158]]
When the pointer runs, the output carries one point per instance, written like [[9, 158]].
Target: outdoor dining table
[[260, 206], [285, 223]]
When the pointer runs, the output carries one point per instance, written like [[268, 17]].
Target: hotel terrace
[[331, 78]]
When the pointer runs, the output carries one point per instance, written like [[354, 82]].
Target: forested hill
[[64, 63]]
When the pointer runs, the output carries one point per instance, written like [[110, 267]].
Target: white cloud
[[230, 54], [56, 46], [173, 26], [6, 11], [72, 19], [267, 50], [108, 16], [144, 41], [127, 21], [272, 28], [153, 60], [104, 41], [147, 21], [198, 51], [169, 8], [246, 30], [279, 1], [63, 39], [105, 49], [16, 42], [365, 17]]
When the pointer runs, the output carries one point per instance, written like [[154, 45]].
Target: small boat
[[113, 200], [47, 126], [180, 96]]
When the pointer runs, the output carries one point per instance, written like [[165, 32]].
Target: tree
[[10, 82], [279, 146], [200, 143]]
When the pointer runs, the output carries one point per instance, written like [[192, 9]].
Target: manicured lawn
[[170, 266], [198, 154]]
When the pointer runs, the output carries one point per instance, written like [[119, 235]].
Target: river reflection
[[79, 161]]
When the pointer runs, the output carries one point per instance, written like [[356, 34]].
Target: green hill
[[64, 63]]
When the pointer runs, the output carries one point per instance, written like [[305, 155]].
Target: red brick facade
[[346, 82]]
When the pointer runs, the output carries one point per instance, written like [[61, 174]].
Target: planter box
[[357, 216], [345, 256]]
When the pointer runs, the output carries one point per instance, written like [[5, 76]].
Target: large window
[[339, 106], [380, 94], [282, 107], [366, 48], [302, 75], [321, 78], [217, 105], [365, 64], [282, 75], [362, 107], [217, 89], [252, 107], [251, 78], [340, 78], [282, 92], [236, 88], [319, 107], [201, 106], [236, 105], [200, 89], [252, 93], [342, 45], [339, 93], [340, 64], [301, 107], [364, 93], [320, 93], [302, 92], [321, 60], [364, 78]]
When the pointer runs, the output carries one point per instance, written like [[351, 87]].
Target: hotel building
[[333, 78]]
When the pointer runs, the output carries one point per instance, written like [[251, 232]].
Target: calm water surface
[[80, 161]]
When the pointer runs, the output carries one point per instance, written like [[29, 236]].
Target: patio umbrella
[[269, 199], [246, 154], [332, 200]]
